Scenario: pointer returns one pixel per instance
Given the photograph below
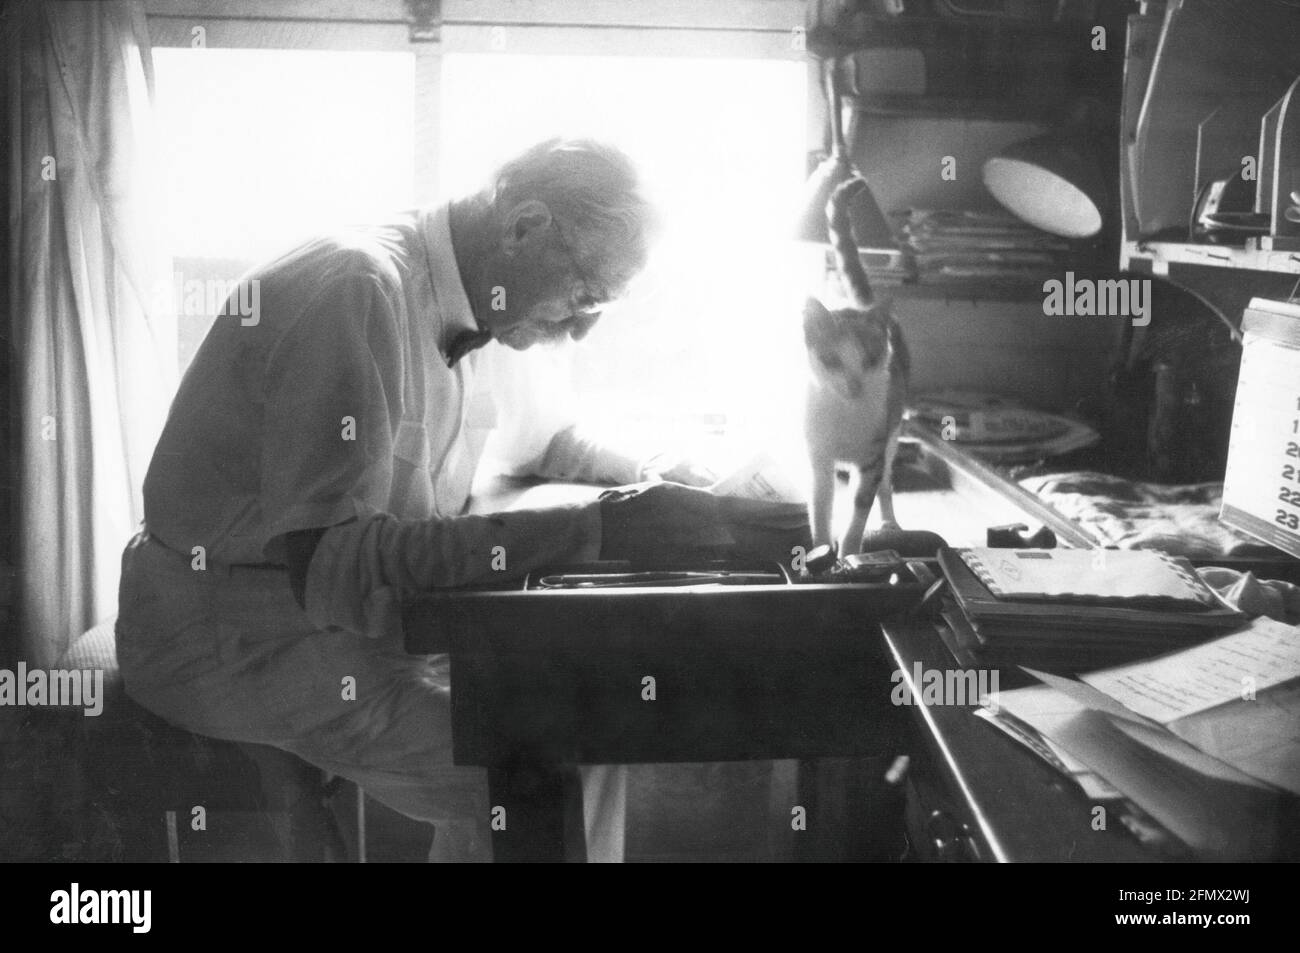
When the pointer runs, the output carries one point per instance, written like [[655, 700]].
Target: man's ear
[[527, 221]]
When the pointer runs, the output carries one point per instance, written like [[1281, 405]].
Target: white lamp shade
[[1049, 184]]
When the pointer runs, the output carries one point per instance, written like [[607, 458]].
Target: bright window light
[[710, 341], [264, 148]]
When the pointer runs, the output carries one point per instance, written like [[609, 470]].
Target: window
[[704, 341], [266, 146], [262, 149]]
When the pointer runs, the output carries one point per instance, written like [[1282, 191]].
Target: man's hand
[[674, 469], [663, 520], [666, 521]]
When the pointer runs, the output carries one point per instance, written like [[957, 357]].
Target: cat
[[856, 390]]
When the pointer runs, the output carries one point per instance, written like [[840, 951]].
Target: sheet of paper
[[1044, 711], [1261, 737], [1162, 741], [1023, 734], [1264, 654], [1083, 696], [760, 478], [1093, 785], [1072, 764], [1038, 698], [1210, 816], [1048, 714]]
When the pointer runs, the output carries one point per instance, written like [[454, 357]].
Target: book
[[1133, 577], [1058, 635]]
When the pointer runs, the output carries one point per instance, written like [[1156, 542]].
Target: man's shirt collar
[[459, 333]]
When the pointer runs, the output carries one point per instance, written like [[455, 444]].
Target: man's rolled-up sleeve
[[360, 570]]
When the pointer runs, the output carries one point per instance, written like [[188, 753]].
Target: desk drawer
[[939, 830]]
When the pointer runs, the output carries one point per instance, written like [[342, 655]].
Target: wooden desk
[[761, 672], [530, 703], [978, 795]]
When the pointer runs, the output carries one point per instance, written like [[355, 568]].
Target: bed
[[1181, 519]]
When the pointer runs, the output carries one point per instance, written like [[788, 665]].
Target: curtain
[[93, 334]]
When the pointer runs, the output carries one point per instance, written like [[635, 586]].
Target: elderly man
[[317, 463]]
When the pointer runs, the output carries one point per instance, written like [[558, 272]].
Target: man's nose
[[580, 324]]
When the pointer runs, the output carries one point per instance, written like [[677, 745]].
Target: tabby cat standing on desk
[[856, 390]]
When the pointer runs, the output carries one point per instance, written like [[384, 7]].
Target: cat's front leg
[[866, 483], [822, 503], [886, 497], [886, 492]]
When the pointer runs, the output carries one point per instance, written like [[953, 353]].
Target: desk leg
[[543, 814]]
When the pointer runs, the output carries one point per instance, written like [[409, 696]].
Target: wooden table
[[738, 677], [545, 681], [535, 695]]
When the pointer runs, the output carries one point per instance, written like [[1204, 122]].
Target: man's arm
[[539, 432], [360, 569], [357, 571]]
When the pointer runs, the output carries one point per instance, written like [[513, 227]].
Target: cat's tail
[[840, 227]]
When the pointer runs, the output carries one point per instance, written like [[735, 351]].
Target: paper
[[1084, 697], [1049, 715], [1264, 654], [761, 478], [1171, 746], [1093, 786], [1261, 737], [1225, 822], [1234, 702], [1209, 777]]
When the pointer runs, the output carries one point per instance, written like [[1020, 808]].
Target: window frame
[[741, 29], [716, 29]]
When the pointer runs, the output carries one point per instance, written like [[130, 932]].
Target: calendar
[[1261, 489]]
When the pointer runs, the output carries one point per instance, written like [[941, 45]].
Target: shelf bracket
[[424, 19]]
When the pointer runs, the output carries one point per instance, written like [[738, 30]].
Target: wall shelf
[[1211, 92], [942, 107], [1160, 255]]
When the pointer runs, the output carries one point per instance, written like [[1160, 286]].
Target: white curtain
[[94, 336]]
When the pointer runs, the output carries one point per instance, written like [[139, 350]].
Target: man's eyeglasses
[[585, 303]]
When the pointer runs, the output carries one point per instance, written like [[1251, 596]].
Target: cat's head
[[846, 346]]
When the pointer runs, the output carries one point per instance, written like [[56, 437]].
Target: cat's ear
[[814, 310], [815, 321]]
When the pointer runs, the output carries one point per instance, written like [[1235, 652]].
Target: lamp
[[1052, 181], [868, 222]]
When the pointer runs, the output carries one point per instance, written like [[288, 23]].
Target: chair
[[150, 771]]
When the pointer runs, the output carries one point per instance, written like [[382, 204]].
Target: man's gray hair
[[594, 193]]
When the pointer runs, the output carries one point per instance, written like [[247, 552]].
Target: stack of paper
[[1071, 610], [1205, 740], [953, 244], [1095, 788]]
